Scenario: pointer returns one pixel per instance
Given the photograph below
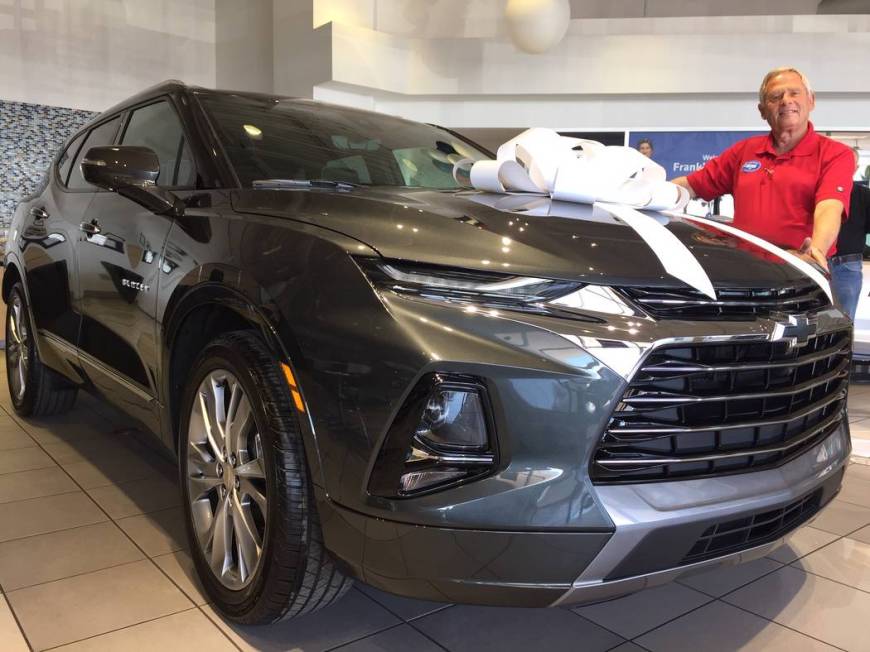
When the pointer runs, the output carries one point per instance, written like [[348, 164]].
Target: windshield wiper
[[278, 184]]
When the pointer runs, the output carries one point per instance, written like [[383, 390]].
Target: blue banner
[[682, 152]]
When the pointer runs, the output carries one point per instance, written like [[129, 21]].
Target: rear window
[[300, 140]]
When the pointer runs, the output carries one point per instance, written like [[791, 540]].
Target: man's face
[[787, 103]]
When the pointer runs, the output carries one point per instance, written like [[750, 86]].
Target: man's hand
[[684, 182], [812, 254]]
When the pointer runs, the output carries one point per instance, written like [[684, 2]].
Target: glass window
[[294, 139], [98, 137], [64, 163], [158, 127]]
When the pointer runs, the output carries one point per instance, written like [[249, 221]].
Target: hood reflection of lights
[[252, 131], [620, 356], [596, 298]]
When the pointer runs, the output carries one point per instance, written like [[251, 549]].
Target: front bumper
[[656, 524]]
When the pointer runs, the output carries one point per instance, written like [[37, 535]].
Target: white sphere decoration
[[536, 26]]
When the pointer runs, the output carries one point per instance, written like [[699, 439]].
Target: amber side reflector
[[294, 392]]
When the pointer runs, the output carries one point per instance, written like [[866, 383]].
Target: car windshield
[[269, 139]]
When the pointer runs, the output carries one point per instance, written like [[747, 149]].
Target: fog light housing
[[453, 419], [441, 436]]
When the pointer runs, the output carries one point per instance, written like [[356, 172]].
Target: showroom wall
[[640, 8], [606, 73], [61, 60], [89, 54], [243, 45]]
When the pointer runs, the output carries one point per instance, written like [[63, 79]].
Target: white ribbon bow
[[577, 170]]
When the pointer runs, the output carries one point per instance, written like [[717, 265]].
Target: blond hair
[[778, 71]]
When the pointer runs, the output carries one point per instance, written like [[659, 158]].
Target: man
[[846, 273], [790, 186], [645, 147]]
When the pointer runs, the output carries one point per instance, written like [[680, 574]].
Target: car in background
[[366, 371]]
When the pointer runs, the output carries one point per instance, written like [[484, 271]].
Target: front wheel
[[252, 523]]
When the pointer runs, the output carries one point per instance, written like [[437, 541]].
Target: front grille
[[731, 304], [712, 409], [755, 530]]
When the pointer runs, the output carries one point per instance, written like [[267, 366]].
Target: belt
[[846, 258]]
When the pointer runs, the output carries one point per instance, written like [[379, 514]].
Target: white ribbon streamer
[[677, 260], [801, 264]]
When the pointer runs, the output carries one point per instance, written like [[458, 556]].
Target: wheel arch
[[198, 315], [11, 275]]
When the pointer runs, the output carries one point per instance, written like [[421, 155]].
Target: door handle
[[90, 228], [39, 213]]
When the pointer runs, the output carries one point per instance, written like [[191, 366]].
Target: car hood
[[519, 234]]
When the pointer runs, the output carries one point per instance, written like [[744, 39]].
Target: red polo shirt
[[775, 195]]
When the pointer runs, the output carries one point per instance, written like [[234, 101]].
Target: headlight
[[442, 435], [462, 285]]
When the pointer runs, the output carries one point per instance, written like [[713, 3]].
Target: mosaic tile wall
[[30, 134]]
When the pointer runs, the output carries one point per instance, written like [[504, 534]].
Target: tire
[[250, 487], [35, 389]]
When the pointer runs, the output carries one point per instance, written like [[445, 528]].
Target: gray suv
[[366, 371]]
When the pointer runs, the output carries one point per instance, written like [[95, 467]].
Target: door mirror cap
[[111, 168], [132, 172]]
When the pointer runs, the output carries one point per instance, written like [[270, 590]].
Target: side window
[[157, 126], [64, 163], [98, 137]]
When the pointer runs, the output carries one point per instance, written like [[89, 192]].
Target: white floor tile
[[466, 628], [802, 542], [718, 627], [845, 560], [10, 635], [719, 581], [188, 630], [812, 605], [640, 612]]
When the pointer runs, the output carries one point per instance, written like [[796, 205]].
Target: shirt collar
[[805, 147]]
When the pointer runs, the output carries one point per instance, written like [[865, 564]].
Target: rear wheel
[[35, 390], [253, 527]]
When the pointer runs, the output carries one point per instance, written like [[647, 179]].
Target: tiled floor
[[92, 557]]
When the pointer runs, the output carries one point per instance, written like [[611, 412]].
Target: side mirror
[[113, 167], [132, 172]]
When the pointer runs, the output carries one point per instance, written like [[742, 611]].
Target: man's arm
[[826, 227], [684, 182]]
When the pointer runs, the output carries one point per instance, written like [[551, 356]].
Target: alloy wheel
[[226, 479], [17, 348]]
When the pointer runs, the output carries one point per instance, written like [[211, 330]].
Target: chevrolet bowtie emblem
[[796, 330]]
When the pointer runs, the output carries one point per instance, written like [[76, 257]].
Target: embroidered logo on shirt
[[751, 166]]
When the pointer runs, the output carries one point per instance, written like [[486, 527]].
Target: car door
[[119, 263], [47, 245]]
